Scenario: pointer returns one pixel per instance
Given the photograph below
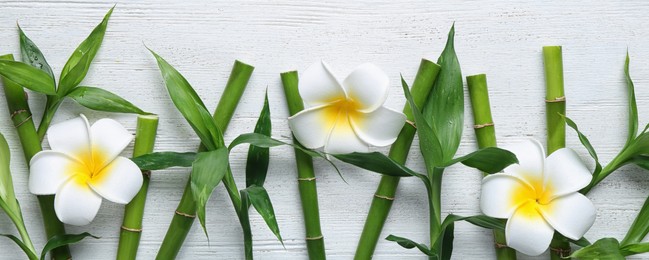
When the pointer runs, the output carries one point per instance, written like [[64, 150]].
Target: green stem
[[556, 126], [305, 175], [51, 106], [485, 133], [435, 203], [186, 210], [385, 192], [31, 143], [131, 230]]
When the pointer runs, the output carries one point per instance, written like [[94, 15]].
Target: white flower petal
[[71, 137], [108, 139], [380, 127], [502, 194], [527, 231], [368, 86], [565, 172], [119, 181], [572, 215], [311, 127], [318, 86], [343, 139], [75, 203], [531, 157], [48, 170]]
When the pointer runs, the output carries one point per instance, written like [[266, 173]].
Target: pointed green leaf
[[190, 105], [377, 162], [605, 248], [259, 157], [409, 244], [6, 182], [164, 160], [208, 170], [31, 255], [32, 55], [586, 143], [634, 249], [640, 227], [103, 100], [489, 160], [261, 201], [244, 219], [444, 109], [27, 76], [78, 64], [62, 240], [633, 108]]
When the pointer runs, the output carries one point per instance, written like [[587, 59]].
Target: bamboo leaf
[[634, 249], [164, 160], [190, 105], [489, 160], [444, 109], [444, 243], [103, 100], [27, 76], [244, 219], [640, 227], [633, 108], [586, 143], [6, 183], [77, 66], [258, 157], [605, 248], [409, 244], [259, 199], [62, 240], [32, 55], [31, 255], [208, 170], [379, 163]]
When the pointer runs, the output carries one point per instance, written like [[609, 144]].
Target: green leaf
[[409, 244], [77, 66], [444, 243], [244, 219], [259, 199], [103, 100], [258, 157], [31, 255], [633, 108], [164, 160], [444, 109], [489, 160], [582, 242], [586, 143], [62, 240], [605, 248], [6, 183], [190, 105], [640, 227], [27, 76], [634, 249], [377, 162], [32, 55], [208, 170], [429, 144]]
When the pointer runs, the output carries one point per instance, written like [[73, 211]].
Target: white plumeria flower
[[345, 117], [83, 166], [538, 196]]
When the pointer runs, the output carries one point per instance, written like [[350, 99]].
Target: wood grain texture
[[203, 38]]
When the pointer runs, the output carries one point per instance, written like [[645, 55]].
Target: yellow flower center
[[91, 166], [342, 109], [529, 197]]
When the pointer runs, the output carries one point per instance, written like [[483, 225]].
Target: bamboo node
[[314, 238], [185, 214], [24, 121], [306, 179], [411, 123], [136, 230], [383, 197], [17, 112], [499, 245], [478, 126], [562, 252], [556, 100], [146, 173]]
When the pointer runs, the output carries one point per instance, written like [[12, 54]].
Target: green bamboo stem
[[131, 230], [51, 106], [485, 133], [556, 126], [186, 210], [305, 175], [435, 205], [22, 119], [385, 192]]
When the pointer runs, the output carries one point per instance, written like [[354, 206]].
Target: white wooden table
[[203, 38]]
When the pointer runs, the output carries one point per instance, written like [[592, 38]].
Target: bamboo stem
[[186, 210], [22, 118], [131, 230], [485, 133], [556, 126], [385, 192], [306, 175]]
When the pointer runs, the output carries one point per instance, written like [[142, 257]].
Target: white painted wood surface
[[203, 38]]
